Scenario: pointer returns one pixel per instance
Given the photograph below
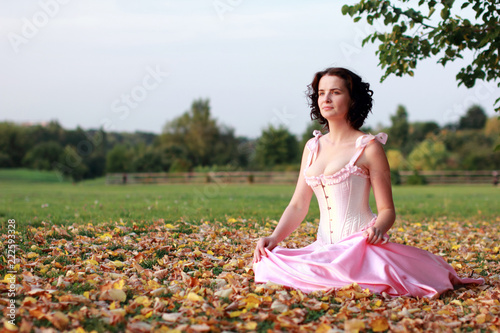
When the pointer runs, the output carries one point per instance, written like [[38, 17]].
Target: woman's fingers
[[374, 236], [260, 250]]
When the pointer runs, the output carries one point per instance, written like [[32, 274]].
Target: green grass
[[30, 176], [31, 203]]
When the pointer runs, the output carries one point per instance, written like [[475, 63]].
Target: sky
[[127, 65]]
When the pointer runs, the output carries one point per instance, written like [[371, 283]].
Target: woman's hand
[[263, 244], [375, 236]]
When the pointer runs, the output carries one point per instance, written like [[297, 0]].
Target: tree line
[[195, 141]]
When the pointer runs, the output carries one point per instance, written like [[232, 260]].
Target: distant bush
[[416, 179], [395, 177]]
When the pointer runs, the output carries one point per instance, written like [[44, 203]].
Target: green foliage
[[430, 154], [276, 146], [43, 155], [475, 118], [416, 179], [118, 159], [395, 177], [471, 150], [413, 35], [205, 141], [399, 130]]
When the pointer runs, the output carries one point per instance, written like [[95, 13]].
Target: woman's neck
[[340, 131]]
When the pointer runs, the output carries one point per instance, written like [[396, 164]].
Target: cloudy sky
[[130, 65]]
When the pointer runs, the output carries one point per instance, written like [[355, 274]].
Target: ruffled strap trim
[[364, 140]]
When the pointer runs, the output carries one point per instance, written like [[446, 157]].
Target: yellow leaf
[[119, 285], [32, 255], [232, 220], [142, 300], [323, 328], [117, 295], [210, 252], [251, 325], [252, 301], [379, 324], [8, 279], [118, 263], [105, 236], [235, 314], [169, 226], [9, 327], [354, 326], [91, 262], [193, 297]]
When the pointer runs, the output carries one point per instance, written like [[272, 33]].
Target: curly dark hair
[[359, 92]]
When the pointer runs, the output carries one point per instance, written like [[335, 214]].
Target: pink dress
[[341, 256]]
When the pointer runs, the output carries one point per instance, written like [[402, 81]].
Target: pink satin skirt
[[396, 269]]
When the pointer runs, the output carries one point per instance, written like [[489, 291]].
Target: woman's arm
[[293, 215], [380, 178]]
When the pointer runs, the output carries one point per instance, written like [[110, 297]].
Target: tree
[[276, 146], [430, 154], [398, 133], [119, 159], [14, 143], [475, 118], [43, 155], [419, 130], [415, 36], [492, 126], [206, 142]]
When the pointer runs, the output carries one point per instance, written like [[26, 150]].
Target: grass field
[[31, 201], [172, 258]]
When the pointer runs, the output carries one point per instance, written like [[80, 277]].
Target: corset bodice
[[343, 197]]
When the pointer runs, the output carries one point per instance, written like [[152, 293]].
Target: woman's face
[[333, 97]]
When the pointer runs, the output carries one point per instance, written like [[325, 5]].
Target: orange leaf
[[354, 326], [59, 320], [379, 324]]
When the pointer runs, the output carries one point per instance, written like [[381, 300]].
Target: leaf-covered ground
[[178, 277]]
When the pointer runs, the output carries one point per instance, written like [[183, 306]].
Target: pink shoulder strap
[[313, 147], [363, 141]]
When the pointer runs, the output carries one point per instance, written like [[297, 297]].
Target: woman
[[352, 242]]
